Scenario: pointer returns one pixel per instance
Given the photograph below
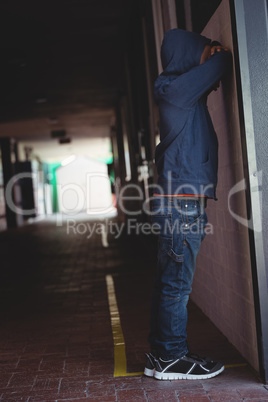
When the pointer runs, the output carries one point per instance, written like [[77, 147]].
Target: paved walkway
[[56, 338]]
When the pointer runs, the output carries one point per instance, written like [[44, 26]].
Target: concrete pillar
[[8, 173], [165, 18], [158, 30], [252, 41], [188, 15], [169, 14]]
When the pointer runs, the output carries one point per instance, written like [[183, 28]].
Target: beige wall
[[223, 284]]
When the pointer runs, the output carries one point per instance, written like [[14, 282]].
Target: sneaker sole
[[180, 376], [149, 372]]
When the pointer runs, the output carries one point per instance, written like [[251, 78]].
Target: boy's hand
[[213, 50], [218, 48]]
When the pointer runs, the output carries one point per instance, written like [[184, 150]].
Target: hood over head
[[181, 50]]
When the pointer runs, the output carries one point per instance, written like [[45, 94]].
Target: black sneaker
[[189, 367], [149, 365]]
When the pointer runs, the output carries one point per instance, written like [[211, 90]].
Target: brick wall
[[223, 283]]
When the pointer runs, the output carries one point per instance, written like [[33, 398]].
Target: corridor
[[56, 337]]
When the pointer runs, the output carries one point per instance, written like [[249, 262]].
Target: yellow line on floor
[[120, 361], [235, 365]]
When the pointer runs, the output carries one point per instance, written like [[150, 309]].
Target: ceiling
[[62, 66]]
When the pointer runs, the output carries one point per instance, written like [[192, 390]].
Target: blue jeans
[[181, 226]]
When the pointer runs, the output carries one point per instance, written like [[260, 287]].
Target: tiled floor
[[56, 340]]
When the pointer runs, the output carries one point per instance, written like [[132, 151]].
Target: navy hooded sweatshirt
[[187, 155]]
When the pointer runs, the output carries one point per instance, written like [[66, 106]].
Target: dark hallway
[[56, 335], [78, 120]]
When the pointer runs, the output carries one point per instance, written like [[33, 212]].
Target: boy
[[187, 163]]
